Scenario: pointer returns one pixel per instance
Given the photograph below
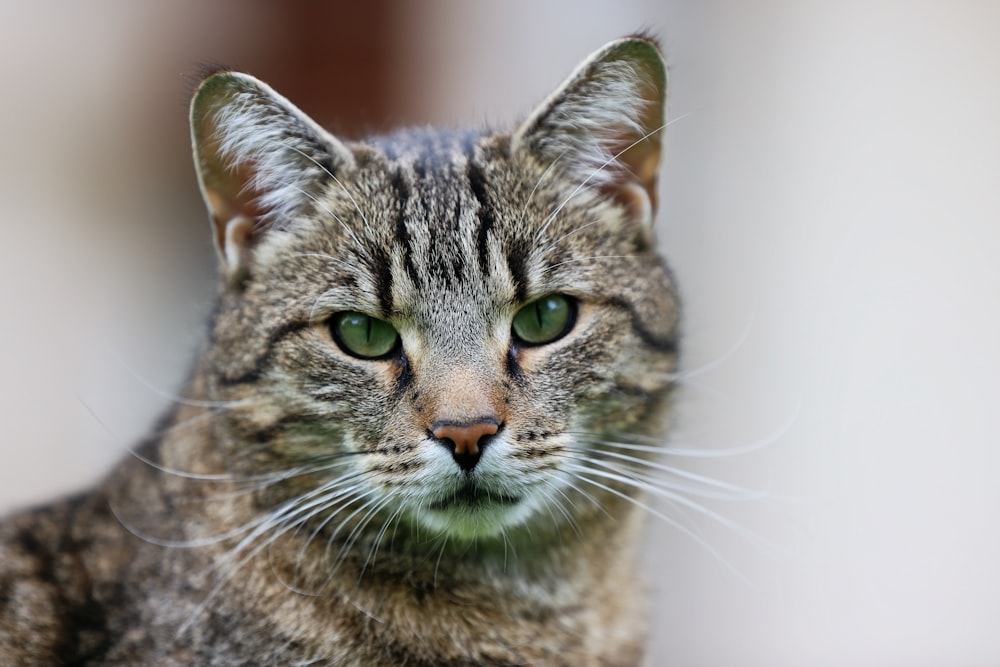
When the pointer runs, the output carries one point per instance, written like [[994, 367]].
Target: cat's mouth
[[472, 495]]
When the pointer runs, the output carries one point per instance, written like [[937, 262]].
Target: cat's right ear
[[261, 163], [603, 126]]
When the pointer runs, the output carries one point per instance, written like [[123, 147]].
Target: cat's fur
[[296, 507]]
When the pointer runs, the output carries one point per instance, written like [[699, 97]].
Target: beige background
[[830, 202]]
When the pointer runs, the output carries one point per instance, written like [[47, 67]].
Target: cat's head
[[439, 327]]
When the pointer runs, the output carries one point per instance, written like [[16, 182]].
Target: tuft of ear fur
[[261, 162], [604, 124]]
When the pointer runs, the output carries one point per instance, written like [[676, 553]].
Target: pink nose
[[468, 439]]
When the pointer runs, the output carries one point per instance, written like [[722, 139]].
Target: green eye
[[545, 320], [363, 336]]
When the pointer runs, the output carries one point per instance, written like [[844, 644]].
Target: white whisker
[[331, 175], [567, 514], [634, 481], [374, 506], [581, 475], [278, 523], [607, 163], [654, 445], [324, 208], [173, 398], [550, 267], [328, 258], [687, 374], [547, 249], [373, 551], [541, 179], [734, 493]]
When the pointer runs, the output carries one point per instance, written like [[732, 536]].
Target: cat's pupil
[[363, 336], [545, 320]]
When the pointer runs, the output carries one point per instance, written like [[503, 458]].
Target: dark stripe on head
[[255, 372], [468, 141], [383, 280], [514, 256], [518, 273], [666, 344], [403, 377], [514, 371], [458, 260], [402, 189], [477, 183]]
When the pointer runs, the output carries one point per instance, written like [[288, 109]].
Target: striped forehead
[[441, 255]]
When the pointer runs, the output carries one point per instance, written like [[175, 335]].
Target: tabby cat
[[415, 434]]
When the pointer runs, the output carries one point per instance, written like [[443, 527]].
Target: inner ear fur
[[261, 163], [605, 124]]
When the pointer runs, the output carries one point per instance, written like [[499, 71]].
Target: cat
[[419, 427]]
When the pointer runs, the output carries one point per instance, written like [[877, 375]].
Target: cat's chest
[[262, 616]]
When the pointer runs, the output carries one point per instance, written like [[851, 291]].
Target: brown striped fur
[[296, 508]]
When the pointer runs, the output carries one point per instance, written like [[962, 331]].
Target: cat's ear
[[604, 124], [261, 162]]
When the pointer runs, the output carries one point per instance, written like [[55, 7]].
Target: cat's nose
[[466, 440]]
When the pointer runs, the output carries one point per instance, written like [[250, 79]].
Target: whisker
[[687, 374], [541, 179], [346, 500], [610, 161], [326, 209], [221, 537], [698, 539], [374, 506], [353, 496], [507, 546], [343, 498], [282, 523], [735, 493], [551, 500], [329, 258], [654, 445], [568, 480], [624, 477], [184, 544], [550, 267], [547, 249], [205, 415], [172, 397], [266, 477], [437, 564], [331, 175], [254, 487], [350, 494], [260, 480], [373, 551]]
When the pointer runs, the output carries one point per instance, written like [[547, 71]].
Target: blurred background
[[830, 202]]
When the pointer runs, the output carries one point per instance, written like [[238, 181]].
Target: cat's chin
[[473, 514], [472, 498]]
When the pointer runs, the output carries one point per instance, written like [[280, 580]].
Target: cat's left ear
[[261, 163], [604, 124]]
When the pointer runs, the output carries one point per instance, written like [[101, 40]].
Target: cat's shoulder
[[49, 611]]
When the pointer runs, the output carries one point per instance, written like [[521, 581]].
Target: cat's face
[[442, 327]]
